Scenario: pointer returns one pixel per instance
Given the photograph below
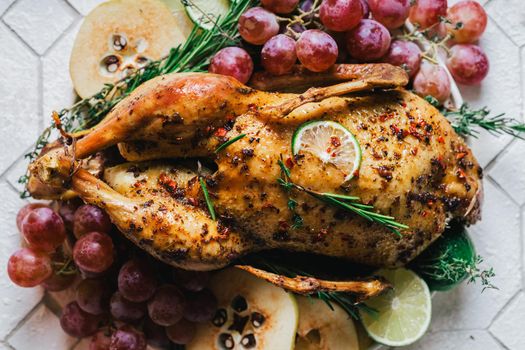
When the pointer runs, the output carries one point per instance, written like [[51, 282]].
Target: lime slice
[[179, 12], [331, 143], [205, 12], [403, 313]]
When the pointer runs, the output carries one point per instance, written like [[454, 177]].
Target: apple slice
[[321, 328], [252, 314], [118, 37]]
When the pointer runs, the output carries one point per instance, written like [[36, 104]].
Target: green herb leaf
[[229, 142], [209, 203]]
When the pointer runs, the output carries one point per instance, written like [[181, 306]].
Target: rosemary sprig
[[193, 56], [229, 142], [347, 203], [467, 122], [209, 202]]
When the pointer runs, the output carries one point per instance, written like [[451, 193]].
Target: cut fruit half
[[403, 313], [118, 37], [204, 13], [321, 328], [181, 17], [332, 143], [251, 314]]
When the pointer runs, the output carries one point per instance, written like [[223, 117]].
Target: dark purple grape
[[200, 306], [167, 305], [306, 6], [100, 340], [366, 9], [66, 210], [28, 268], [191, 280], [125, 310], [89, 218], [127, 338], [280, 6], [93, 252], [43, 229], [25, 210], [181, 332], [155, 334], [78, 323], [369, 41], [136, 280], [93, 296]]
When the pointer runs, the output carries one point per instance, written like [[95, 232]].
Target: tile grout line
[[504, 308], [24, 320]]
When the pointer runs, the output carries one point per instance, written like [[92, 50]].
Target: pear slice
[[251, 314], [118, 37], [321, 328]]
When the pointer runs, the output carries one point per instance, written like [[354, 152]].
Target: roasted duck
[[414, 168]]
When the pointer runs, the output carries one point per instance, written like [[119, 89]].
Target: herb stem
[[229, 142], [209, 202]]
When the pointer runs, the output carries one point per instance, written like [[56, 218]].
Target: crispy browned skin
[[414, 166]]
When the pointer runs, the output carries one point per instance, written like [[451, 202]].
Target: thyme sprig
[[193, 56], [447, 268], [467, 122], [207, 197], [347, 203]]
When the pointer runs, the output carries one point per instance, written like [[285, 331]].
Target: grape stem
[[300, 19]]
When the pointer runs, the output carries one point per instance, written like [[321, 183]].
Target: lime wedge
[[403, 313], [204, 13], [331, 142]]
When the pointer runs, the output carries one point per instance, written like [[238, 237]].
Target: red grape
[[473, 19], [93, 296], [28, 268], [125, 310], [306, 6], [67, 210], [278, 55], [341, 15], [390, 13], [191, 280], [366, 9], [280, 6], [234, 62], [43, 229], [128, 338], [468, 64], [155, 334], [432, 80], [181, 332], [369, 41], [405, 54], [200, 306], [94, 252], [58, 282], [136, 281], [427, 12], [89, 218], [78, 323], [258, 25], [316, 50], [100, 340], [24, 211], [167, 306]]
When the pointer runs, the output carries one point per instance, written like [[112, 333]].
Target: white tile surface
[[505, 327], [19, 88], [504, 171], [85, 6], [39, 23], [15, 302], [458, 340], [41, 330], [510, 14], [4, 4]]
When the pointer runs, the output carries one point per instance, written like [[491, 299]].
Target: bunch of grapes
[[319, 33], [124, 299]]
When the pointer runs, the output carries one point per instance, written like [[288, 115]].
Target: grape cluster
[[319, 33], [124, 299]]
